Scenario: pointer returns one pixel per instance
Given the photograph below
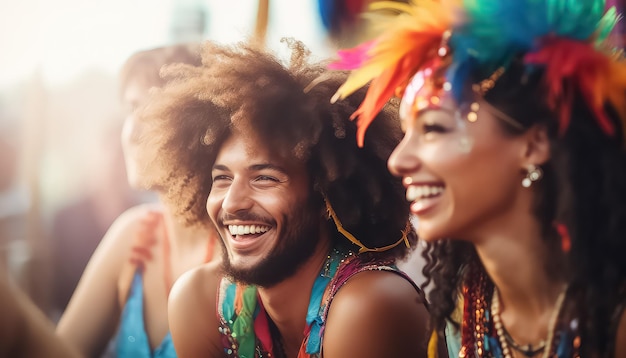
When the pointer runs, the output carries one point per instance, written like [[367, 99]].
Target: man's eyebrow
[[256, 167], [220, 167]]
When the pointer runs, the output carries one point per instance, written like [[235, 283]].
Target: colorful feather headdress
[[568, 39]]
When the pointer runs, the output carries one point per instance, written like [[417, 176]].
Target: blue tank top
[[132, 339]]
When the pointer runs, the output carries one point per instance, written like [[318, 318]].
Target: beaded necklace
[[527, 350], [247, 330], [546, 346], [482, 336]]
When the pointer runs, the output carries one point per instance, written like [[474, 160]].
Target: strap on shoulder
[[139, 254]]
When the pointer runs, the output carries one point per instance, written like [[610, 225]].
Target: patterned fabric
[[339, 268], [132, 339]]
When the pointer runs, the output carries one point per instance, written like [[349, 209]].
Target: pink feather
[[353, 58]]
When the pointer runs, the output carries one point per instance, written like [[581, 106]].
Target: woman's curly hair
[[245, 89], [583, 188]]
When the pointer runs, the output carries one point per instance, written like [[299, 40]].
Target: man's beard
[[297, 243]]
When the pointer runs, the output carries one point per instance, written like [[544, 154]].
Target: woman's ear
[[537, 148]]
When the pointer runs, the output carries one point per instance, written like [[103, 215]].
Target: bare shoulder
[[130, 219], [192, 312], [128, 223], [376, 314], [122, 234], [201, 283]]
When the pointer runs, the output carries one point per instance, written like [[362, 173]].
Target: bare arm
[[620, 337], [192, 313], [24, 329], [376, 314], [93, 312]]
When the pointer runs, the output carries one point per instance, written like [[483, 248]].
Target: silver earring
[[534, 174]]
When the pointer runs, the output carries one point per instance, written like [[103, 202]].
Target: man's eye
[[266, 178], [220, 177]]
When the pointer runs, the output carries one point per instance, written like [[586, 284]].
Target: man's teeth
[[247, 229], [419, 192]]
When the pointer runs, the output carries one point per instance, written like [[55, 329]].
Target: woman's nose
[[404, 160]]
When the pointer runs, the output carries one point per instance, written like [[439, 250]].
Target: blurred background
[[62, 179]]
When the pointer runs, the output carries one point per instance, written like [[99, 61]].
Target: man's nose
[[237, 197]]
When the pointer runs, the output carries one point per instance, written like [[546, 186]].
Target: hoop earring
[[533, 175]]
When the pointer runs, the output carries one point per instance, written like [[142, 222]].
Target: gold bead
[[577, 342]]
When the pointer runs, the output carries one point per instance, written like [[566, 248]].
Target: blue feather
[[495, 31], [327, 13]]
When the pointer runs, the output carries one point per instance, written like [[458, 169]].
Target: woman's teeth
[[415, 192]]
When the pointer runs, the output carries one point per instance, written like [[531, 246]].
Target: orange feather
[[392, 59]]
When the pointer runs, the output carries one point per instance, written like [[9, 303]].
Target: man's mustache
[[246, 216]]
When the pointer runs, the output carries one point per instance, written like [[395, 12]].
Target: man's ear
[[537, 146]]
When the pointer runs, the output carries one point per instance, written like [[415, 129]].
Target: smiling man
[[311, 225]]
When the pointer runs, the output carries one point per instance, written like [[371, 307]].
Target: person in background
[[310, 225], [127, 280], [78, 226], [514, 162]]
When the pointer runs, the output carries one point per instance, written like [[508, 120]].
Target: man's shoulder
[[381, 290], [373, 278], [193, 295], [191, 312], [378, 286], [200, 282], [371, 305]]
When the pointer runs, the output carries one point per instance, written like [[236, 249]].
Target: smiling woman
[[514, 162], [460, 179]]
